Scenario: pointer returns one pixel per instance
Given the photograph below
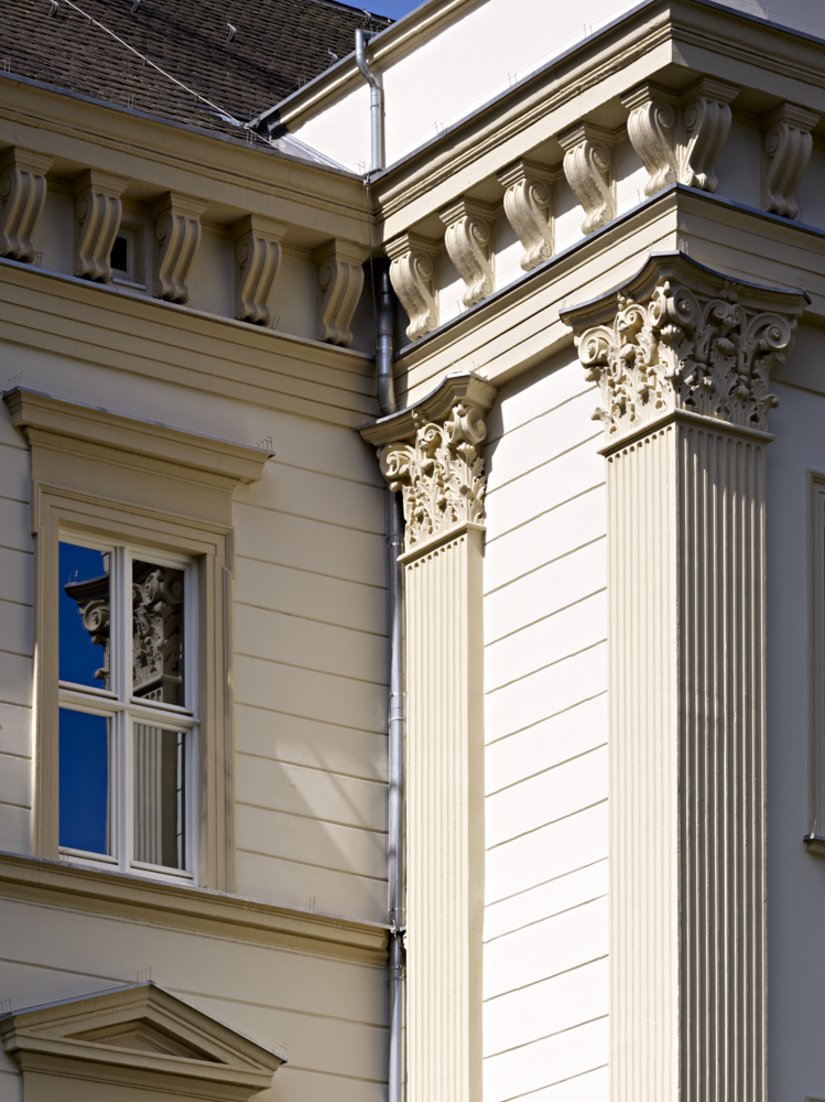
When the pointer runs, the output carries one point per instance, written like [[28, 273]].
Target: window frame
[[120, 480], [124, 710]]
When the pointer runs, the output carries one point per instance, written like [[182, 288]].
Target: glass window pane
[[157, 633], [84, 781], [160, 795], [83, 622]]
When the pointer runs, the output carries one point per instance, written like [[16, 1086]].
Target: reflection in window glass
[[157, 633], [160, 771], [83, 623], [84, 781]]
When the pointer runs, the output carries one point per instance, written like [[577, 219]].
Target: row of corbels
[[176, 226], [678, 138]]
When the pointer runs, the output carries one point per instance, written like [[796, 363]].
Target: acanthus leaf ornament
[[704, 347], [440, 475]]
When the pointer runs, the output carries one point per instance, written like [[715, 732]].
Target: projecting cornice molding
[[788, 148], [340, 281], [431, 454], [257, 256], [22, 194], [682, 338], [468, 240], [528, 205], [412, 273], [177, 221], [679, 138], [97, 218]]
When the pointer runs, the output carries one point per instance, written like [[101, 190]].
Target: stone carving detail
[[177, 234], [257, 256], [678, 138], [528, 205], [788, 147], [682, 350], [340, 281], [588, 167], [157, 646], [469, 246], [97, 218], [412, 273], [22, 195], [440, 474]]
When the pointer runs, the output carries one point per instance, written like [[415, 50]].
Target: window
[[133, 559], [815, 836], [127, 727]]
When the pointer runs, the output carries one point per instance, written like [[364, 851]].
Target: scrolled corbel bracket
[[22, 195], [468, 240], [412, 273], [788, 145], [257, 256], [340, 282], [679, 339], [431, 453], [588, 167], [528, 205], [679, 137], [706, 119], [177, 229], [97, 218]]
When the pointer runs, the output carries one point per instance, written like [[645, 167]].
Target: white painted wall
[[545, 955], [477, 57], [796, 879], [309, 639]]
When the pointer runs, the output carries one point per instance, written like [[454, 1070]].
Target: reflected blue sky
[[84, 781], [78, 656]]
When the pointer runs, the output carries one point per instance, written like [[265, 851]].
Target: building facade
[[413, 495]]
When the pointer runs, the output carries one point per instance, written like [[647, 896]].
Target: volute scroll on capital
[[431, 454], [679, 337]]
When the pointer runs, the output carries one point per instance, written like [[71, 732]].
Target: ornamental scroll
[[707, 350], [440, 475], [431, 453]]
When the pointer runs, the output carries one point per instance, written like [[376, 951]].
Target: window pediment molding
[[137, 1035], [71, 427]]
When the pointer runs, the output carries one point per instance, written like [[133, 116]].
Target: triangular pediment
[[139, 1031]]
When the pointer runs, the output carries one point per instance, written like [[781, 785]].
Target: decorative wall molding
[[679, 137], [588, 167], [469, 246], [257, 256], [340, 282], [788, 145], [22, 195], [682, 355], [97, 218], [683, 338], [528, 205], [177, 234], [412, 273]]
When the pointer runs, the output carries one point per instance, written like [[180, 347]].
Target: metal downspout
[[387, 404]]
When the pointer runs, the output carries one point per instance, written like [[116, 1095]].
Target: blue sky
[[393, 8]]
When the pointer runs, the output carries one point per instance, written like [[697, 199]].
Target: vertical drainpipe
[[387, 404]]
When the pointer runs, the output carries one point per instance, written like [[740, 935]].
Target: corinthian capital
[[680, 338], [431, 454]]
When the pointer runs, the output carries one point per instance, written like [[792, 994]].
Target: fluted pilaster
[[431, 454], [682, 357]]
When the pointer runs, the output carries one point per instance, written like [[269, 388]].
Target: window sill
[[183, 906]]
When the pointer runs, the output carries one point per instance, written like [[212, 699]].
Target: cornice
[[58, 884], [321, 200], [122, 331]]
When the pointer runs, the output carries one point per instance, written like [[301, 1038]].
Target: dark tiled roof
[[278, 45]]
